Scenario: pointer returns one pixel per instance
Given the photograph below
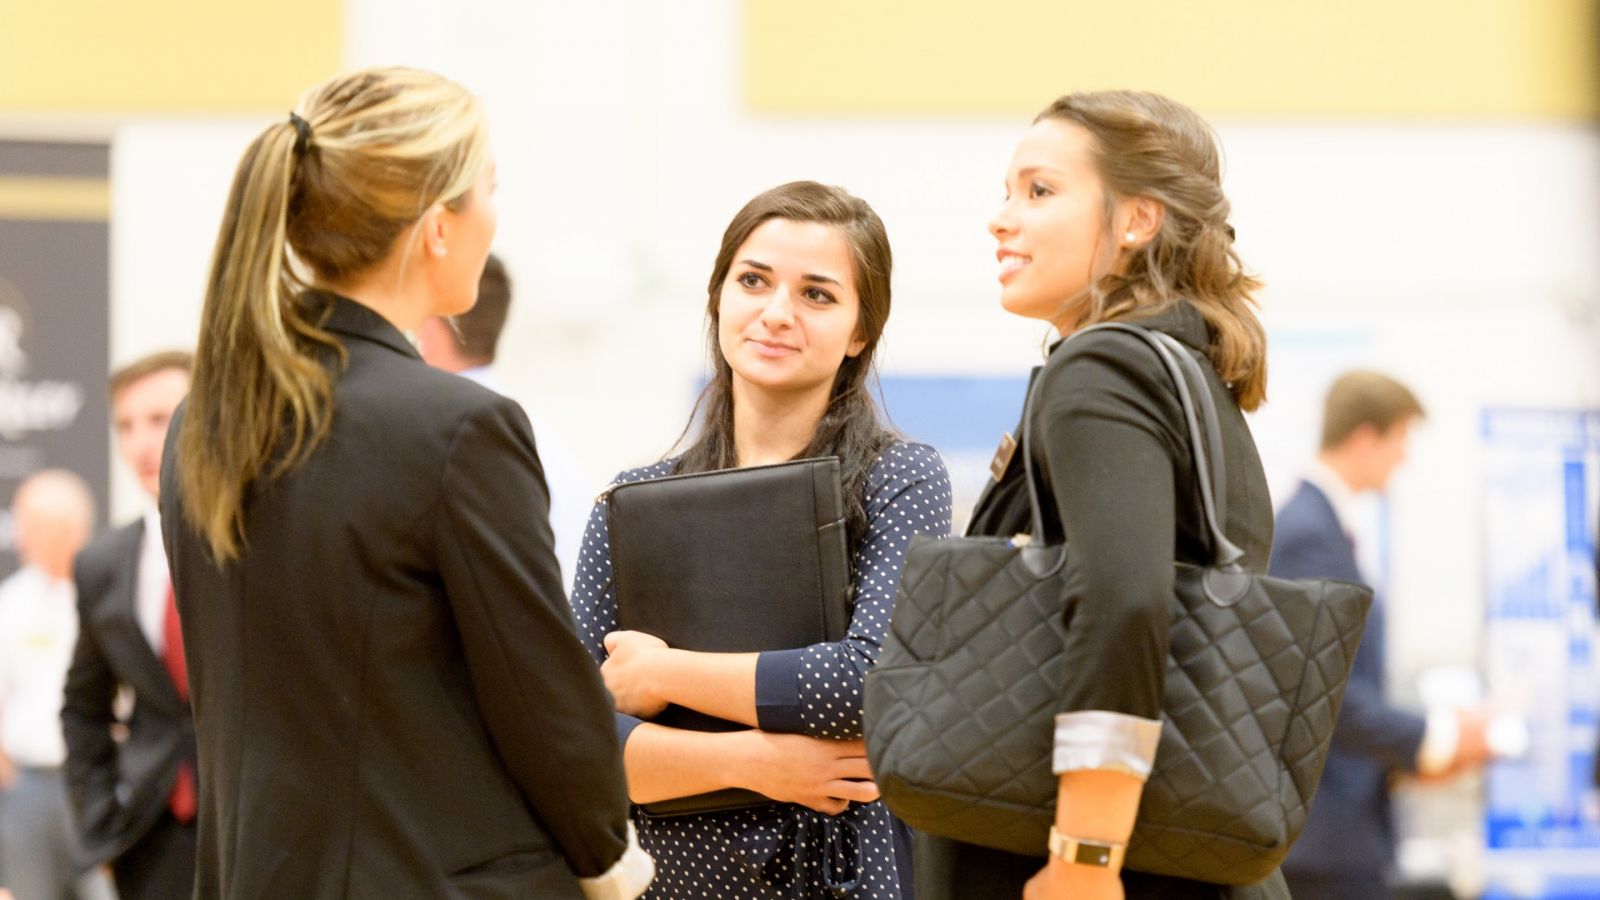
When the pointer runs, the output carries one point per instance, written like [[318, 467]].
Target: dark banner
[[54, 318]]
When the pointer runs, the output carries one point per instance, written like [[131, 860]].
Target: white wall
[[1458, 257], [169, 183]]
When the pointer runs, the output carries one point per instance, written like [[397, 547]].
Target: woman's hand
[[1060, 880], [627, 673], [819, 773]]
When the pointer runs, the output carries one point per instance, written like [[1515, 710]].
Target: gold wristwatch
[[1086, 853]]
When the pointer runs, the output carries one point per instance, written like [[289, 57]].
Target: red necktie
[[182, 802]]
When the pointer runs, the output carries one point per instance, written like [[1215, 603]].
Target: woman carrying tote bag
[[1114, 212]]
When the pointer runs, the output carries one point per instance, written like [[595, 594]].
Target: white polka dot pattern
[[908, 492]]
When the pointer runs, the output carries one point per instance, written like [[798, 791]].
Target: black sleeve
[[1105, 433], [537, 688], [86, 716]]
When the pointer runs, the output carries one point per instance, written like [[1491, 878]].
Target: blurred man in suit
[[135, 798], [53, 514], [1348, 847]]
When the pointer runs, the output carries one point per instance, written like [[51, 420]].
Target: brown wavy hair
[[1147, 145], [850, 427], [329, 195]]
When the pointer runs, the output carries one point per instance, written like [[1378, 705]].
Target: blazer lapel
[[146, 674]]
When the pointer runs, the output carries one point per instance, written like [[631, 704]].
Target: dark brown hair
[[1149, 146], [1365, 398], [850, 428], [478, 329], [145, 366]]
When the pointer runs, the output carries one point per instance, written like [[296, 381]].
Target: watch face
[[1093, 855]]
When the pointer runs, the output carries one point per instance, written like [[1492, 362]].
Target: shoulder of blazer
[[104, 558], [408, 383], [1308, 540], [1108, 367], [1308, 510]]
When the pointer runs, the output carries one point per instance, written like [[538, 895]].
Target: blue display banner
[[963, 417], [1542, 811]]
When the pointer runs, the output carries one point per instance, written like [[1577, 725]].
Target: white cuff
[[1096, 739], [1440, 740], [627, 878]]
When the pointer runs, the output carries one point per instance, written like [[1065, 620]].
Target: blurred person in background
[[466, 345], [1348, 847], [390, 698], [53, 514], [134, 793]]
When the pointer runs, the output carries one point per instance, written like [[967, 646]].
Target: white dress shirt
[[38, 630], [153, 584]]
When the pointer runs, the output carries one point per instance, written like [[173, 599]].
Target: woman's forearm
[[825, 775], [666, 763], [717, 684], [1098, 805]]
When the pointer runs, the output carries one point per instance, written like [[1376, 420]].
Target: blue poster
[[963, 417], [1541, 470]]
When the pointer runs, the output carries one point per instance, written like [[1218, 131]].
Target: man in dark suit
[[1348, 846], [130, 769]]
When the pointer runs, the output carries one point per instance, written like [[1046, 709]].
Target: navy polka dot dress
[[785, 850]]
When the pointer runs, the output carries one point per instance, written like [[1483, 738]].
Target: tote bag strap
[[1208, 454]]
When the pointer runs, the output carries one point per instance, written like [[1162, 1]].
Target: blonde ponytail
[[370, 152]]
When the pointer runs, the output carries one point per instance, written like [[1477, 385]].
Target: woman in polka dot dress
[[797, 301]]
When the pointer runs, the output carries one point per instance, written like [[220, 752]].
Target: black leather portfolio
[[733, 561]]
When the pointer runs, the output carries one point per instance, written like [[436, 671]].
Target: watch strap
[[1086, 853]]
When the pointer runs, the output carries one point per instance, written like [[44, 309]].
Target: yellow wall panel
[[165, 55], [1471, 59], [55, 198]]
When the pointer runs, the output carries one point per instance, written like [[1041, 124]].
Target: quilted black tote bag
[[959, 710]]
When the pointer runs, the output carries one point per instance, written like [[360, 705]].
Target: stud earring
[[1130, 237]]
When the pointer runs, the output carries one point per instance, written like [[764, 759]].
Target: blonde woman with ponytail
[[1114, 212], [390, 699]]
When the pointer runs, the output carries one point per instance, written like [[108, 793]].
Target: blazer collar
[[1327, 482], [149, 678], [353, 319], [1180, 320]]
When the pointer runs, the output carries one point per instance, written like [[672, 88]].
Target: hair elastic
[[303, 133]]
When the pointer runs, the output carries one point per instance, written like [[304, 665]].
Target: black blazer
[[118, 789], [390, 696]]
